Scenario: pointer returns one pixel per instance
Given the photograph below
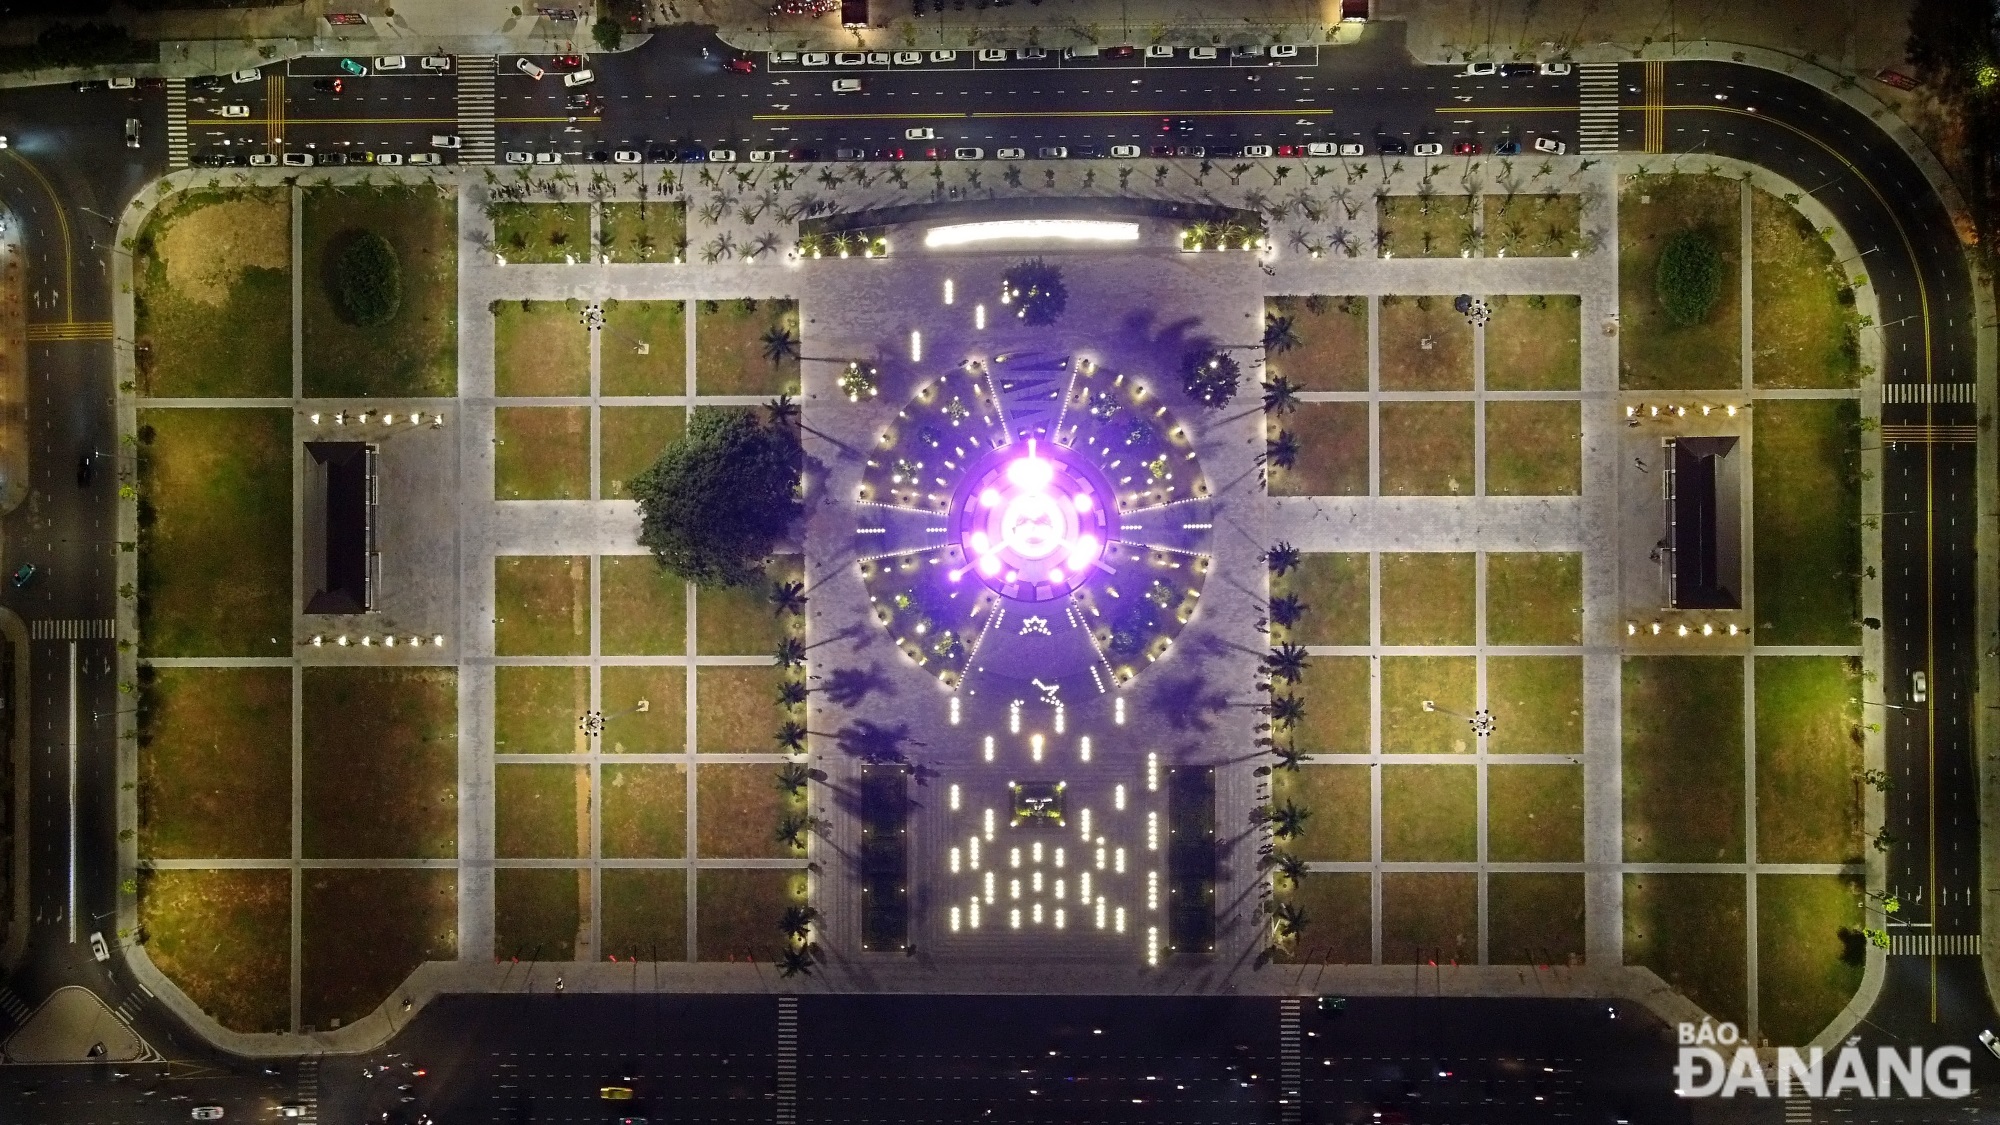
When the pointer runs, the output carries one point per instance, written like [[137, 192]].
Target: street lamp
[[1481, 720], [592, 722]]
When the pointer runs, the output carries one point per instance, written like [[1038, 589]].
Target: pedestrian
[[559, 984], [1642, 465]]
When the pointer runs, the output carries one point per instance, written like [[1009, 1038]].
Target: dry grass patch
[[1690, 930], [1335, 690], [541, 232], [1452, 682], [1534, 343], [363, 932], [1808, 760], [1804, 328], [1333, 451], [1683, 727], [380, 763], [1427, 226], [225, 938], [644, 913], [540, 348], [215, 770], [1534, 918], [737, 709], [1426, 345], [536, 710], [212, 295], [1332, 349], [1534, 448], [415, 354], [622, 369], [537, 912], [631, 439], [662, 727], [1537, 704], [1335, 588], [1534, 598], [736, 812], [1654, 353], [540, 812], [1430, 916], [1534, 814], [1427, 449], [645, 608], [737, 912], [731, 353], [541, 453], [1429, 599], [1810, 952], [1534, 225], [1336, 797], [740, 620], [1338, 911], [542, 605], [645, 811], [1430, 814]]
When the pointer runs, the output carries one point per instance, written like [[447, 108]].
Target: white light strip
[[1068, 230]]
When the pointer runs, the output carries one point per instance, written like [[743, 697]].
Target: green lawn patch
[[737, 711], [737, 912], [536, 709], [415, 353], [1421, 226], [730, 355], [1430, 813], [1534, 448], [215, 770], [645, 811], [215, 500], [631, 439], [737, 810], [1430, 915], [542, 453], [1804, 328], [1449, 681], [645, 608], [1809, 952], [1689, 930], [1338, 909], [1333, 451], [1537, 704], [622, 369], [1683, 754], [1807, 481], [1428, 599], [643, 232], [1654, 353], [740, 620], [542, 603], [540, 348], [539, 812], [1808, 760], [212, 295], [1335, 690], [1533, 918], [1337, 797], [643, 913], [365, 931], [1534, 343], [1426, 345], [541, 232], [380, 763], [1544, 225], [1332, 349], [662, 727], [537, 912], [225, 938], [1427, 449], [1534, 598], [1534, 814], [1335, 590]]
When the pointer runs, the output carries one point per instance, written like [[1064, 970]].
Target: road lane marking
[[72, 792], [57, 331], [999, 114], [62, 226]]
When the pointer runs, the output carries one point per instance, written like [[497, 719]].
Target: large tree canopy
[[367, 278], [720, 499], [1689, 276], [1036, 290]]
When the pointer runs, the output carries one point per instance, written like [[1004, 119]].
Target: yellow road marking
[[59, 330], [1656, 116], [252, 121], [62, 224], [996, 115], [1507, 109]]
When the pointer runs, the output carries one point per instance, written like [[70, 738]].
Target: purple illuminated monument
[[1032, 522]]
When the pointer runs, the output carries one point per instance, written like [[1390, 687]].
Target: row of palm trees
[[794, 778], [1284, 664]]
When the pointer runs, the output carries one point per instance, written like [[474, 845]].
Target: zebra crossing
[[788, 1060], [1798, 1111], [308, 1095], [1290, 1092], [11, 1005], [1926, 394], [475, 109], [1933, 945], [1597, 120], [177, 123], [130, 1008], [73, 629]]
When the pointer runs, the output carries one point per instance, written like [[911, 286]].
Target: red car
[[571, 62], [1163, 150], [1291, 150], [1465, 148], [741, 64]]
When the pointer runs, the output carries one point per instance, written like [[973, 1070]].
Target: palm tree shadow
[[1188, 702], [874, 743], [848, 687]]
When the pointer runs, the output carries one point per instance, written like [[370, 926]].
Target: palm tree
[[1286, 710], [788, 598], [1291, 867], [1280, 397], [1282, 558], [792, 830], [792, 778], [1289, 919], [791, 693], [791, 652], [1288, 821], [1280, 335], [1285, 662], [797, 922], [1286, 610], [1290, 757], [795, 962], [782, 410], [1282, 452], [780, 345], [791, 735]]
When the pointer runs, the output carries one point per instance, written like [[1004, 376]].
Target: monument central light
[[1032, 524]]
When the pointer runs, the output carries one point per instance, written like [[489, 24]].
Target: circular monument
[[1033, 523]]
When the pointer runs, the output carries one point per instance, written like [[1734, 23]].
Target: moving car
[[632, 156], [329, 85], [741, 64], [207, 1113], [968, 154], [920, 133], [444, 140], [1125, 152], [1428, 148], [425, 158], [847, 85], [1550, 145], [354, 68], [517, 158], [1920, 686], [97, 947], [1330, 1005], [615, 1093], [121, 84], [131, 132], [391, 62], [237, 110], [250, 75], [1256, 152], [992, 54], [579, 78], [442, 64], [291, 1110], [24, 574], [1991, 1042]]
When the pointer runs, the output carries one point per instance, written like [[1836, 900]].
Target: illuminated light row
[[989, 747], [954, 861], [1152, 773], [1118, 796], [1152, 947], [954, 796], [1067, 230], [1084, 817], [989, 824], [388, 641], [1152, 831], [1035, 746], [947, 291], [1118, 710], [1060, 712], [1707, 629], [954, 710], [1152, 890], [1014, 717], [1084, 746]]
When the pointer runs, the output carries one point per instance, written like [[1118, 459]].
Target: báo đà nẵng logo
[[1716, 1063]]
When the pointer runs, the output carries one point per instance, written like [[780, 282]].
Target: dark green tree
[[1689, 276], [608, 34], [367, 278], [1036, 290], [1288, 821], [1280, 397], [1282, 558], [719, 499], [1280, 335], [1210, 377]]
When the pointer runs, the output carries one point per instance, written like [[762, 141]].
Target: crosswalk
[[308, 1096], [1921, 394], [177, 123], [11, 1005], [1933, 945], [788, 1060], [475, 109], [1290, 1092], [72, 629], [1798, 1111], [130, 1008], [1597, 122]]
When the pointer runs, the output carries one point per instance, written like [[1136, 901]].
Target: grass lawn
[[645, 608], [1534, 448], [1338, 910], [1429, 599], [643, 913], [1534, 343], [365, 931], [1335, 690], [1429, 915], [1332, 352], [543, 605], [632, 438], [729, 356], [215, 499], [1653, 352], [1333, 451], [543, 453], [215, 772], [1337, 798], [1541, 225], [212, 292], [537, 912], [1808, 760], [737, 710], [1534, 598], [1807, 481], [1451, 682], [1534, 814], [740, 620], [644, 232], [1533, 918], [225, 938], [662, 327], [737, 912], [645, 811], [1430, 813], [541, 232], [1335, 590], [539, 812], [1803, 323], [536, 710], [1427, 449], [540, 348], [1683, 754], [1537, 704], [1809, 952], [737, 810], [662, 727], [1426, 345], [416, 353], [380, 763], [1689, 930], [1440, 226]]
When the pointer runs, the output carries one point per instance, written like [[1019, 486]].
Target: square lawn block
[[737, 709], [737, 810], [1429, 599], [1534, 918], [539, 812], [541, 453], [645, 607], [644, 913], [1336, 693], [1452, 682], [364, 931], [1336, 799], [1335, 589], [1338, 909], [1683, 754], [662, 369], [1534, 814], [542, 605], [1534, 343], [1810, 952], [737, 912], [1331, 352], [1426, 345], [540, 348], [645, 811], [1534, 225], [212, 295], [1427, 449], [644, 231], [740, 620], [215, 777], [380, 763], [1808, 760], [1429, 915], [541, 232], [1805, 521], [632, 438], [1653, 352], [537, 912], [1801, 307], [662, 727], [1534, 598], [1534, 448], [1430, 814], [536, 710], [1424, 226], [415, 353], [732, 354], [225, 938], [1333, 451], [1689, 929], [1537, 704]]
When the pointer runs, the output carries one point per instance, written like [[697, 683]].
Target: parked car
[[1084, 152], [242, 76], [122, 84], [1352, 148], [568, 62], [1991, 1042], [1203, 53], [332, 159], [1252, 51], [878, 58], [298, 159], [517, 158], [206, 83], [1550, 145], [1465, 148], [1010, 154], [391, 62], [1031, 53], [356, 69], [1391, 146], [632, 156], [757, 155], [850, 154], [909, 58], [1553, 68], [388, 159], [1190, 150], [1256, 152], [1288, 151], [579, 78], [1284, 51], [426, 158], [235, 110], [968, 154], [1507, 148], [785, 56], [1429, 148], [441, 64], [849, 58], [1161, 152], [1321, 148], [992, 54], [548, 158], [263, 159], [816, 58], [530, 69], [847, 85], [885, 154], [329, 85], [1125, 152], [1052, 152], [1158, 51], [1517, 70], [97, 947], [694, 156], [722, 155], [944, 56], [1480, 70], [1122, 51]]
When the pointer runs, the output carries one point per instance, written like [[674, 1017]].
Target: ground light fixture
[[1017, 230]]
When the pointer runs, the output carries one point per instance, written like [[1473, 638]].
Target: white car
[[1284, 51], [291, 1110], [1010, 154], [1920, 687], [1480, 70], [579, 78], [529, 69], [389, 159], [785, 57], [1031, 53], [1428, 148], [263, 159], [992, 54], [921, 133], [634, 156], [968, 154], [207, 1113], [1353, 148], [909, 58], [1991, 1042], [298, 160], [517, 158], [548, 158], [722, 156], [444, 140], [238, 110], [1124, 152], [97, 947], [847, 85], [1201, 52], [1052, 152], [816, 58], [759, 155], [126, 83], [1550, 145], [1256, 152], [391, 62], [440, 63], [1321, 148], [878, 58], [251, 75], [425, 158], [944, 56], [1158, 52], [849, 58], [1553, 68]]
